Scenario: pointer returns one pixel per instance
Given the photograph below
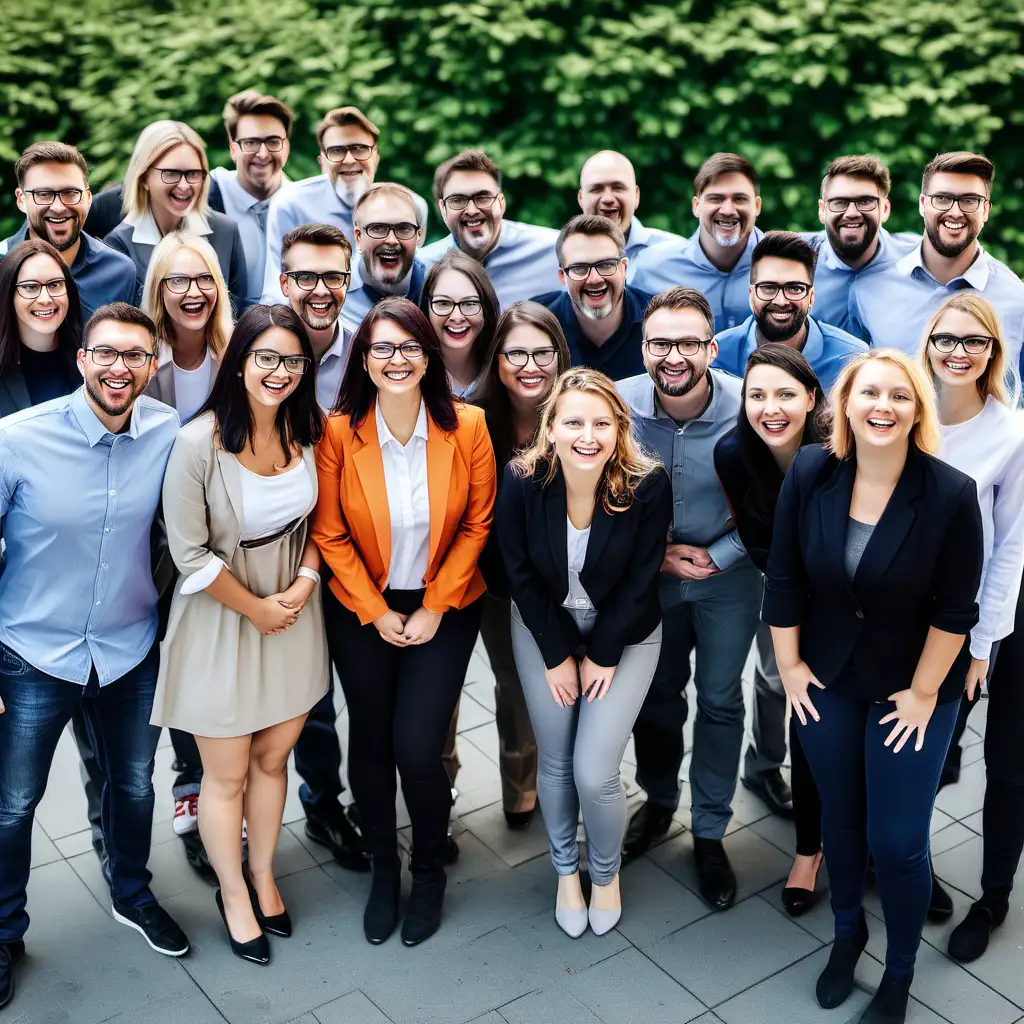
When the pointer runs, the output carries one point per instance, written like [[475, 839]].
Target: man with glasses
[[519, 258], [78, 614], [388, 230], [710, 590], [890, 305], [600, 314], [53, 193]]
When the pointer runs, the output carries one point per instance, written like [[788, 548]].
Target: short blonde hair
[[629, 463], [220, 324], [155, 140], [993, 381], [926, 433]]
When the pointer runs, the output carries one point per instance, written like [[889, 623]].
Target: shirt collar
[[339, 345], [227, 178], [638, 234], [814, 343], [976, 275], [90, 424], [707, 416], [697, 254], [147, 233], [384, 435]]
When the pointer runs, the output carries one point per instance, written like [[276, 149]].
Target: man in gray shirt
[[710, 590]]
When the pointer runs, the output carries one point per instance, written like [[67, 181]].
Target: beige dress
[[219, 676]]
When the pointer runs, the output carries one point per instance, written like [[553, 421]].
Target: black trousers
[[400, 705]]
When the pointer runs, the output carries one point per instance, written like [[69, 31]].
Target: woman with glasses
[[965, 357], [245, 657], [166, 188], [406, 499]]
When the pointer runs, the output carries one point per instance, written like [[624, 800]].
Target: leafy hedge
[[541, 84]]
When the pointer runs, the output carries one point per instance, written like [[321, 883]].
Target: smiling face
[[456, 330], [608, 188], [851, 231], [881, 408], [595, 297], [172, 202], [272, 387], [387, 260], [583, 432], [528, 382], [321, 307], [44, 314], [349, 176], [114, 388], [780, 318], [397, 375], [192, 310], [951, 231], [675, 375], [259, 173], [959, 367], [475, 230], [776, 406], [58, 224], [727, 209]]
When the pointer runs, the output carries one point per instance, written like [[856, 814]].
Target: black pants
[[400, 705]]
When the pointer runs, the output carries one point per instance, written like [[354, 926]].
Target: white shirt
[[576, 542], [146, 232], [405, 475], [990, 448], [331, 368], [192, 387]]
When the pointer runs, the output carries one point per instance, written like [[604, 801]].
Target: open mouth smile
[[586, 451], [397, 375], [877, 423], [775, 426]]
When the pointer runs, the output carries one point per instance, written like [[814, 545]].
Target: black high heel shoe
[[279, 924], [255, 951], [798, 901]]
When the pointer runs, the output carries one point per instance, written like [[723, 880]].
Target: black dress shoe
[[10, 955], [278, 924], [334, 830], [889, 1005], [835, 983], [940, 906], [423, 915], [969, 939], [255, 951], [773, 789], [714, 873], [798, 901], [380, 918], [649, 822], [518, 820]]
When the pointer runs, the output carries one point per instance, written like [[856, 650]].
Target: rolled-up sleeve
[[958, 569], [785, 589]]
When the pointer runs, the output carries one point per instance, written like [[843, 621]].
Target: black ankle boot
[[423, 915], [835, 983], [890, 1003], [969, 939], [381, 915]]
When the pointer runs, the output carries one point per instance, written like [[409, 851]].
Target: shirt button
[[860, 614], [112, 492], [98, 603], [106, 529], [103, 566]]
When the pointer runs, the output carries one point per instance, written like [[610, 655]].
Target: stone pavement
[[499, 957]]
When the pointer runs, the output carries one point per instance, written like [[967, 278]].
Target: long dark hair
[[762, 471], [69, 334], [299, 419], [491, 395], [358, 392]]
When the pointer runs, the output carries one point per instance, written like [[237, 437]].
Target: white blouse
[[192, 387], [576, 543], [405, 476], [990, 448]]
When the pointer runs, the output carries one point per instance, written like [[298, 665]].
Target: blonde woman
[[874, 568], [165, 189], [582, 523]]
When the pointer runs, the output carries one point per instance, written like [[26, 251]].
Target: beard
[[676, 389], [350, 190], [42, 230], [316, 321], [950, 250], [390, 280], [778, 332], [850, 252], [122, 404]]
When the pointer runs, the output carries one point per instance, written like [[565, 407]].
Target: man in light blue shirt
[[80, 484], [519, 258], [890, 306], [716, 258], [781, 296]]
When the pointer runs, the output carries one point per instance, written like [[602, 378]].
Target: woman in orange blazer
[[406, 495]]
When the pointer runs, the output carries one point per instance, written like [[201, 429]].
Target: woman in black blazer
[[582, 523], [871, 593]]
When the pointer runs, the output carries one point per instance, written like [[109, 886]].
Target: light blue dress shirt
[[362, 295], [521, 265], [826, 348], [78, 505], [640, 238], [667, 264]]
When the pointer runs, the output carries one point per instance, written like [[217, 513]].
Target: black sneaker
[[156, 926], [10, 954], [334, 830]]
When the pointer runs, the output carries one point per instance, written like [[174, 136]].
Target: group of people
[[258, 436]]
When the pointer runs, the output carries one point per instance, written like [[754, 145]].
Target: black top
[[620, 573], [47, 374], [921, 568]]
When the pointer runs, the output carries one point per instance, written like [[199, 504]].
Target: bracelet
[[310, 574]]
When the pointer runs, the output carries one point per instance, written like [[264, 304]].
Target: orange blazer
[[352, 523]]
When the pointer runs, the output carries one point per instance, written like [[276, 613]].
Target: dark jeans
[[875, 799], [400, 705], [38, 707], [318, 751]]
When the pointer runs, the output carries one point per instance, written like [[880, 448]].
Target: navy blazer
[[921, 568], [620, 573]]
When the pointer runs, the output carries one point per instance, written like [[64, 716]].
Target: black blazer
[[620, 574], [105, 213], [921, 568]]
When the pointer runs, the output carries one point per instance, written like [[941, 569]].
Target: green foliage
[[541, 84]]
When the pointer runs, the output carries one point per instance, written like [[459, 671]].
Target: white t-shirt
[[192, 387]]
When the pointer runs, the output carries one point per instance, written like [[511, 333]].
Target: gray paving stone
[[492, 1017], [512, 846], [552, 1005], [974, 822], [541, 935], [44, 850], [353, 1008], [655, 904], [952, 835], [967, 796], [485, 738], [961, 866], [472, 715]]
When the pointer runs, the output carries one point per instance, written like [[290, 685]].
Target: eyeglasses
[[581, 271], [46, 196], [840, 204], [967, 203], [307, 280], [403, 231], [482, 201], [134, 358], [767, 290], [360, 151], [540, 356], [180, 283], [171, 176], [274, 144], [661, 347], [387, 349], [467, 307], [31, 289], [268, 359], [974, 345]]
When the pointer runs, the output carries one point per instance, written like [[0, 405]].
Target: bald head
[[608, 188]]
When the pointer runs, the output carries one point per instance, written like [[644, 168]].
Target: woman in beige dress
[[245, 656]]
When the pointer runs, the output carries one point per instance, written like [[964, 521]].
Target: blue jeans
[[38, 707], [874, 799], [718, 617]]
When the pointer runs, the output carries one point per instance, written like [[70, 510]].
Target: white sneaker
[[186, 815]]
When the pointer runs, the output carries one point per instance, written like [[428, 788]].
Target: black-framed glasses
[[481, 200], [46, 196], [445, 307], [359, 151], [840, 204], [180, 283], [793, 290], [540, 356], [661, 347], [171, 176], [307, 280], [134, 358], [387, 349], [251, 144], [581, 271], [268, 359], [942, 202], [403, 231], [973, 344], [31, 289]]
